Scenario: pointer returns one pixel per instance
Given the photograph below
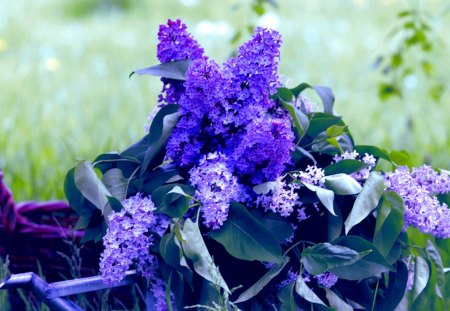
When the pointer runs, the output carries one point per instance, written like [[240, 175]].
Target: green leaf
[[366, 201], [427, 67], [76, 200], [256, 288], [175, 70], [326, 197], [91, 187], [327, 97], [160, 130], [321, 121], [347, 166], [279, 226], [337, 302], [335, 131], [156, 178], [395, 290], [401, 158], [324, 256], [342, 184], [173, 199], [436, 91], [195, 249], [171, 251], [300, 88], [265, 188], [436, 259], [421, 276], [115, 204], [116, 183], [373, 264], [302, 289], [375, 151], [299, 153], [285, 94], [246, 238], [301, 120], [286, 297], [334, 224], [390, 219], [150, 144]]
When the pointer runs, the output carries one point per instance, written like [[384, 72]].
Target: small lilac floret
[[326, 279]]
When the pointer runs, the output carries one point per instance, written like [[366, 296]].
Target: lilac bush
[[243, 193]]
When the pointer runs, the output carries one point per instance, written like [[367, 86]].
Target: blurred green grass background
[[65, 92]]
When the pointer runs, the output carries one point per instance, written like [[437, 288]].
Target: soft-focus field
[[65, 92]]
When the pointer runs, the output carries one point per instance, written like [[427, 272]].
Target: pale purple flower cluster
[[128, 239], [283, 199], [216, 187], [434, 182], [326, 279], [367, 159], [313, 175], [422, 208]]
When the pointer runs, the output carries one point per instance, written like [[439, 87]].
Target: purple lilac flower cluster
[[229, 110], [216, 188], [367, 159], [175, 43], [418, 188], [226, 111], [128, 239]]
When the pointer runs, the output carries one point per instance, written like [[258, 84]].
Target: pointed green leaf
[[390, 219], [285, 94], [401, 158], [256, 288], [347, 166], [342, 184], [91, 187], [302, 289], [436, 259], [373, 264], [335, 131], [396, 288], [324, 256], [326, 95], [195, 249], [337, 302], [245, 237], [175, 70], [421, 276], [286, 297], [116, 183], [366, 201], [326, 197]]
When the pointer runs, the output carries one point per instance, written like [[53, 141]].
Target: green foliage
[[415, 40]]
